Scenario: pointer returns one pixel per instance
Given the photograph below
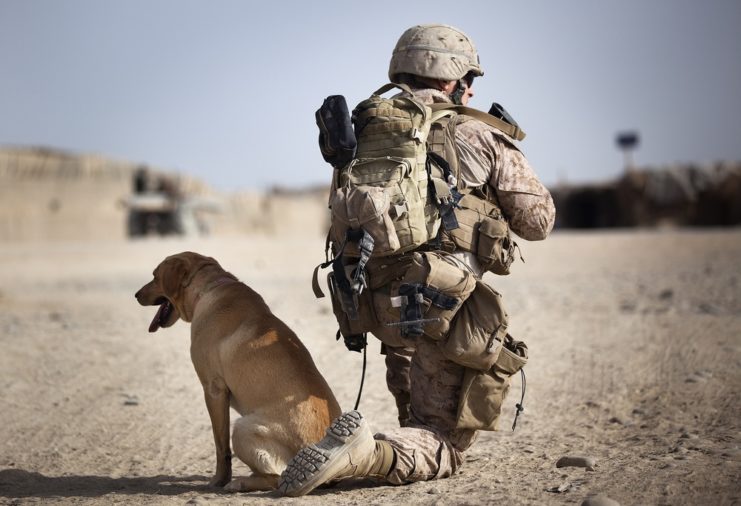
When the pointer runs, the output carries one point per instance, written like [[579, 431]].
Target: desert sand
[[634, 337]]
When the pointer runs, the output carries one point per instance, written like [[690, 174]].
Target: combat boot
[[348, 450]]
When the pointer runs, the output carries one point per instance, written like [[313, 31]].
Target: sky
[[226, 91]]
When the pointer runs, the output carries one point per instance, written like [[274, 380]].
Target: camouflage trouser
[[429, 446]]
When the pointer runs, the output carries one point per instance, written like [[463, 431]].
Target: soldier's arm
[[525, 202], [489, 157]]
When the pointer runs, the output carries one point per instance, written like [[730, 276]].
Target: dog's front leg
[[217, 402]]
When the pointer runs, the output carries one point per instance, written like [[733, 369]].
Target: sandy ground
[[635, 341]]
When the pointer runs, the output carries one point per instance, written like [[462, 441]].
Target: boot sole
[[320, 462]]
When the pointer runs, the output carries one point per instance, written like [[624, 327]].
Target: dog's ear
[[196, 262], [172, 274]]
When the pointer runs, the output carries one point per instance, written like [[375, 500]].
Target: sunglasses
[[468, 79]]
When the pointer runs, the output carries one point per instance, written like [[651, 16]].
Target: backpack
[[385, 190], [395, 194]]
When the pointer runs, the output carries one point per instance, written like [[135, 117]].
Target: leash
[[362, 376]]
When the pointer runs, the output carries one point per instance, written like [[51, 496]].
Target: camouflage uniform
[[426, 384], [428, 446]]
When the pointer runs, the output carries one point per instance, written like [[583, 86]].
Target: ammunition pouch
[[422, 299], [483, 231], [483, 392], [404, 297]]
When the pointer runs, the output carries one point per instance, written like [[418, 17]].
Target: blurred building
[[49, 194], [681, 195]]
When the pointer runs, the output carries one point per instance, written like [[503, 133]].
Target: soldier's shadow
[[17, 483]]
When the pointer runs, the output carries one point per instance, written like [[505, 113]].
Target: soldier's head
[[437, 56]]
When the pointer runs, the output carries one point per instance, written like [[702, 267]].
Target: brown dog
[[247, 358]]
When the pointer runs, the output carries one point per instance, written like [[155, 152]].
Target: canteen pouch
[[483, 392], [478, 330], [336, 135]]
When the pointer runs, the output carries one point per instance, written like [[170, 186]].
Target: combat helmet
[[436, 52]]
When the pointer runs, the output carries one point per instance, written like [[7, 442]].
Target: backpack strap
[[513, 131], [390, 86]]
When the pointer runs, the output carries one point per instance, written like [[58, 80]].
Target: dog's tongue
[[158, 317]]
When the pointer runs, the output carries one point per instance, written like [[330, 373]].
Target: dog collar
[[223, 280]]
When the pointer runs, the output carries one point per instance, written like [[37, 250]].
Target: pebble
[[599, 500], [571, 461], [563, 487]]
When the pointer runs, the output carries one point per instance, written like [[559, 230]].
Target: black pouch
[[337, 140]]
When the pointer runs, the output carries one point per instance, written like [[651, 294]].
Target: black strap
[[448, 204], [365, 247], [362, 376], [412, 296]]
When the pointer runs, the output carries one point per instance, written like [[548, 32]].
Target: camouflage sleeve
[[525, 202]]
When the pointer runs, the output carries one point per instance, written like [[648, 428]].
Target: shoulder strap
[[513, 131], [390, 86]]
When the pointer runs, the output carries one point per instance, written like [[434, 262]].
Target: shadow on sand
[[17, 483]]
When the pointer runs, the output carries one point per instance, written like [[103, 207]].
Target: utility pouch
[[496, 249], [478, 331], [483, 392], [354, 312], [483, 231], [423, 300], [336, 136], [365, 207]]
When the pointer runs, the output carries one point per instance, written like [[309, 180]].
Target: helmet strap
[[460, 90]]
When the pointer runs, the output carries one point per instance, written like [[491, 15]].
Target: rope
[[519, 405]]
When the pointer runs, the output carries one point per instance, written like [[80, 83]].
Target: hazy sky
[[227, 90]]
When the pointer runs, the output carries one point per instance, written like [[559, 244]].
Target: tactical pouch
[[478, 330], [354, 312], [336, 136], [483, 392], [496, 250], [364, 207], [423, 300], [483, 231]]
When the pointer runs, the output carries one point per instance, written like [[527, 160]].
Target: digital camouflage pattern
[[488, 156], [428, 446], [421, 453], [434, 51]]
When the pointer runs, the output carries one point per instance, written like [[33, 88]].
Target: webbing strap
[[513, 131], [390, 86]]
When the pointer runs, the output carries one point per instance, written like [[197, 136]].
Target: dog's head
[[167, 290]]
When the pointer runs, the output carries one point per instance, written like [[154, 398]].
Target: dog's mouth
[[163, 314]]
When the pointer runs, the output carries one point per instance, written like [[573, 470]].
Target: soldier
[[438, 63]]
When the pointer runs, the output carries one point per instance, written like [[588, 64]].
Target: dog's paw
[[219, 481], [235, 485]]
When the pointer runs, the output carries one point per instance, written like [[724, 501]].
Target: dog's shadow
[[17, 483]]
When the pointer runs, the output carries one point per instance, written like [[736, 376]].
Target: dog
[[246, 358]]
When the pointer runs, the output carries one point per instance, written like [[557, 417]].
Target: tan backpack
[[396, 195]]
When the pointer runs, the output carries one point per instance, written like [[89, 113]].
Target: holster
[[336, 135]]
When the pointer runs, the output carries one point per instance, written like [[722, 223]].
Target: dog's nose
[[136, 295]]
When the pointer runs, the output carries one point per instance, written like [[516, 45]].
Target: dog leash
[[362, 376]]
